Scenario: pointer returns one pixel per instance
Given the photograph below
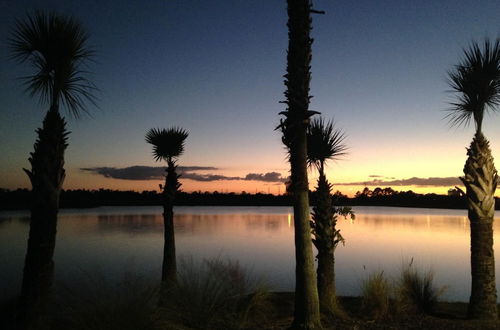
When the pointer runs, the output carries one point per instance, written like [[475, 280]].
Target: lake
[[114, 240]]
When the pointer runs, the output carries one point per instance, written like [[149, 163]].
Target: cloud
[[207, 177], [381, 176], [196, 168], [158, 173], [433, 181], [140, 172], [128, 173], [266, 177]]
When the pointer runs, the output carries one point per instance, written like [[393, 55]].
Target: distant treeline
[[20, 199]]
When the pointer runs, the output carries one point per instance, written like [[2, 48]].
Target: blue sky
[[216, 67]]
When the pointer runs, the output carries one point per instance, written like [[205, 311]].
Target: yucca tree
[[476, 82], [56, 47], [325, 143], [168, 145], [297, 114]]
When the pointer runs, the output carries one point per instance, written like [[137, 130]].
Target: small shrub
[[216, 294], [376, 296], [417, 292]]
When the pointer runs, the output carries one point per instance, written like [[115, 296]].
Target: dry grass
[[375, 298], [216, 294], [416, 291]]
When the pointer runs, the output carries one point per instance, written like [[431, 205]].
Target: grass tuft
[[375, 300], [417, 292], [216, 294]]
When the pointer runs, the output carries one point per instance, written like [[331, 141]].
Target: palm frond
[[324, 142], [56, 46], [476, 81], [168, 144]]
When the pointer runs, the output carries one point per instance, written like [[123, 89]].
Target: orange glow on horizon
[[231, 186], [77, 179]]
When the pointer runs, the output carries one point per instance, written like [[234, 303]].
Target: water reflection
[[114, 239], [185, 223], [129, 223]]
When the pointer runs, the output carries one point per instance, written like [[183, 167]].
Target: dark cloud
[[437, 182], [141, 172], [207, 177], [382, 176], [158, 173], [129, 173], [196, 168], [266, 177]]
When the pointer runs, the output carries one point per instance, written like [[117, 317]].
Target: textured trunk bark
[[306, 314], [47, 176], [326, 282], [480, 180], [483, 298], [325, 242]]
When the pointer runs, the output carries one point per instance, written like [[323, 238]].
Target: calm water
[[112, 240]]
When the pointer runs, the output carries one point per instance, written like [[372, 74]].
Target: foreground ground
[[447, 316], [279, 315]]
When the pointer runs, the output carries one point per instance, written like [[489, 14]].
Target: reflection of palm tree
[[56, 46], [306, 315], [325, 143], [168, 145], [477, 82]]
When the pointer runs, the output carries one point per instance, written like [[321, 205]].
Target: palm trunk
[[46, 176], [326, 283], [169, 267], [306, 314], [480, 180], [325, 241]]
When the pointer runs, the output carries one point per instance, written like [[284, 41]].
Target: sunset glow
[[382, 79]]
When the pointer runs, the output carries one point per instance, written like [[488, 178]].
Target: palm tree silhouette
[[293, 127], [168, 145], [57, 48], [325, 143], [476, 81]]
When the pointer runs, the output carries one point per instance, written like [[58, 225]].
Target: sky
[[216, 69]]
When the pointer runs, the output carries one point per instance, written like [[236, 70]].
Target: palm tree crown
[[57, 47], [168, 144], [477, 81], [324, 142]]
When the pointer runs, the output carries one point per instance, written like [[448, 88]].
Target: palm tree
[[297, 114], [56, 47], [476, 80], [325, 143], [168, 145]]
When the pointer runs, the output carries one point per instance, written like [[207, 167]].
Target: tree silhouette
[[56, 47], [168, 145], [325, 143], [476, 82], [293, 127]]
